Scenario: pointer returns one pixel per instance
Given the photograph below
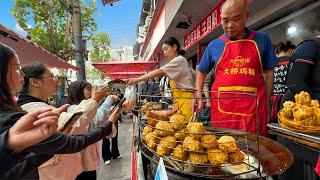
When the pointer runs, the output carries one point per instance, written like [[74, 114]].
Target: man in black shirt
[[304, 73]]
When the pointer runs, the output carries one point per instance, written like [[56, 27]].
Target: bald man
[[243, 61]]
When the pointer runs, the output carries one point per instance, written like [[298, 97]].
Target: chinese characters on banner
[[207, 25]]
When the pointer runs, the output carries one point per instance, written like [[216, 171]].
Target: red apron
[[238, 93]]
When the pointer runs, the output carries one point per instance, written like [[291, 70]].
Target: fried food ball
[[209, 141], [145, 108], [317, 115], [152, 122], [303, 98], [181, 135], [151, 140], [287, 109], [179, 121], [197, 129], [192, 144], [146, 130], [236, 157], [305, 116], [179, 153], [159, 115], [164, 128], [198, 158], [315, 103], [166, 145], [217, 157], [227, 144]]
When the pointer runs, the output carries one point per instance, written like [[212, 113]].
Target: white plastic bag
[[131, 97]]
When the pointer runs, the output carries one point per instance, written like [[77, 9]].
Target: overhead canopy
[[125, 69], [124, 75], [30, 52]]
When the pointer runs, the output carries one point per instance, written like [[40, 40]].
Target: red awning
[[125, 69], [30, 52], [124, 75]]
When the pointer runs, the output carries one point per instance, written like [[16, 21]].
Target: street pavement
[[119, 169]]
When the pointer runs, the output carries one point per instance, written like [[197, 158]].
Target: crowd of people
[[37, 140]]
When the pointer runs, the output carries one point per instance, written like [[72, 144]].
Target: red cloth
[[318, 167], [276, 100], [239, 88]]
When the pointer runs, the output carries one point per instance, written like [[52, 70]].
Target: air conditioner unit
[[148, 21]]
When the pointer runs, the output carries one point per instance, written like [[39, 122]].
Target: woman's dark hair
[[173, 41], [75, 91], [284, 47], [35, 70], [6, 54]]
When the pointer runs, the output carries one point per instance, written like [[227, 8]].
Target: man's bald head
[[234, 17], [234, 4]]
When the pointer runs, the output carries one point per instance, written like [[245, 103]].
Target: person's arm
[[199, 87], [269, 61], [268, 75], [60, 143], [205, 66], [150, 75], [103, 111], [297, 78]]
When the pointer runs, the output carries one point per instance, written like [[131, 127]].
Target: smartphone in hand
[[119, 104], [72, 120]]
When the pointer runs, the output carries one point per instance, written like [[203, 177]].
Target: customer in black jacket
[[11, 81], [26, 132], [304, 72]]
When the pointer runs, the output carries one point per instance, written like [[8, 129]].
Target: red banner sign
[[207, 25]]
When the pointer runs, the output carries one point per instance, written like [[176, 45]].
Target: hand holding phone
[[119, 104], [71, 120]]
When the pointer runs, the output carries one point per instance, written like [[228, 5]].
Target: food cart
[[305, 149], [260, 157], [298, 130]]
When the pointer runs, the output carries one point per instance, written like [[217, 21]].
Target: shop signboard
[[206, 25]]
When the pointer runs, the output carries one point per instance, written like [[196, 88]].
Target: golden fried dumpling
[[196, 130], [305, 116], [317, 115], [164, 128], [166, 145], [209, 141], [217, 157], [146, 130], [198, 158], [179, 153], [151, 140], [178, 120], [236, 157], [315, 103], [227, 144], [180, 135], [303, 98], [192, 144], [288, 109], [152, 122]]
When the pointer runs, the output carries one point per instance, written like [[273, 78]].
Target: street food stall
[[298, 130], [192, 150]]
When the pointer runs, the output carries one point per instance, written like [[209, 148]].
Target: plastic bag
[[131, 98]]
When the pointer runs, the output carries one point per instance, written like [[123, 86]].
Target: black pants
[[114, 153], [87, 175]]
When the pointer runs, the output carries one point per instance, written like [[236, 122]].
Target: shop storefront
[[293, 20]]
